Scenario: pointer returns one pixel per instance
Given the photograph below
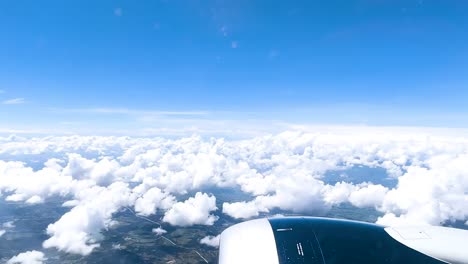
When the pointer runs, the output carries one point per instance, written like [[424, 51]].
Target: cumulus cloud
[[433, 193], [368, 196], [242, 210], [159, 231], [78, 231], [99, 176], [194, 211], [153, 199], [28, 257], [302, 194], [25, 184], [102, 171], [338, 193], [212, 241]]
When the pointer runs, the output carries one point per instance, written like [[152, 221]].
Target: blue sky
[[84, 66]]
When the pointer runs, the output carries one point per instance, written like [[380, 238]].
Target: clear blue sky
[[129, 64]]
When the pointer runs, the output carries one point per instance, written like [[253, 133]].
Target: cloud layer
[[100, 176], [28, 257]]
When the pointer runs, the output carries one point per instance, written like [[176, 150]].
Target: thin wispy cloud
[[2, 91], [127, 111], [14, 101], [234, 44], [156, 26], [118, 12], [273, 54], [224, 31]]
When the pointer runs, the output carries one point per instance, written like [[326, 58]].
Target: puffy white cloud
[[212, 241], [194, 211], [78, 231], [339, 193], [102, 171], [303, 195], [25, 184], [433, 193], [35, 199], [159, 231], [2, 232], [242, 210], [368, 196], [153, 199], [28, 257]]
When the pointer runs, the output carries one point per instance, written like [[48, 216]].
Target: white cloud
[[301, 194], [32, 186], [71, 203], [368, 196], [153, 199], [2, 232], [78, 231], [339, 193], [433, 192], [14, 101], [242, 210], [194, 211], [28, 257], [35, 199], [212, 241], [159, 231], [9, 224], [102, 172], [117, 246]]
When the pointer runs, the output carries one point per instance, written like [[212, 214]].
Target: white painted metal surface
[[446, 244], [249, 242]]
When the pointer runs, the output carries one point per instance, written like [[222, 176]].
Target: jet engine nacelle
[[310, 240]]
